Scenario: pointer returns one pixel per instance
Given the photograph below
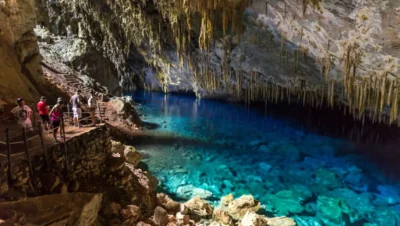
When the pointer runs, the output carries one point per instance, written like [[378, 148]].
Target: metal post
[[43, 147], [9, 171], [65, 143], [101, 118], [68, 113], [34, 116], [27, 152]]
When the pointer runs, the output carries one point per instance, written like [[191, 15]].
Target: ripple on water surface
[[210, 148]]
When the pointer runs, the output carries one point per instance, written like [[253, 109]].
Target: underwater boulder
[[331, 211], [385, 217], [289, 152], [265, 167], [285, 202], [189, 191], [389, 193], [307, 221], [327, 179], [361, 203]]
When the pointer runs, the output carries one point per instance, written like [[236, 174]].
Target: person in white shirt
[[23, 114], [92, 107]]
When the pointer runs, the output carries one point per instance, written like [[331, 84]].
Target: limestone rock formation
[[319, 52], [252, 219], [199, 208], [19, 52], [71, 209], [240, 206]]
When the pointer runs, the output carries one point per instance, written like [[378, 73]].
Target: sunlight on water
[[210, 148]]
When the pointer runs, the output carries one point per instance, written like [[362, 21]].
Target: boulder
[[239, 207], [172, 206], [222, 217], [133, 157], [199, 208], [281, 221], [161, 216], [327, 179], [141, 223], [330, 210], [253, 219], [225, 200], [286, 201], [112, 208], [182, 219], [131, 212], [115, 163]]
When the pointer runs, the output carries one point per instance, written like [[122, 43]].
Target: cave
[[200, 112]]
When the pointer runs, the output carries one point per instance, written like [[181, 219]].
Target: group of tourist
[[51, 118]]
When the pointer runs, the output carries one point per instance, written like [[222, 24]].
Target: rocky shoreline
[[127, 193]]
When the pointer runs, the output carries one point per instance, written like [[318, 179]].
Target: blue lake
[[211, 149]]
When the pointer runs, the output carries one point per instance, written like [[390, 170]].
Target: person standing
[[76, 107], [44, 113], [92, 107], [23, 113], [55, 114]]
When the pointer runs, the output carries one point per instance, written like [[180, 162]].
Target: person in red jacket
[[44, 113]]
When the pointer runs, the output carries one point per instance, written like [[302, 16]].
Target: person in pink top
[[44, 112], [55, 118]]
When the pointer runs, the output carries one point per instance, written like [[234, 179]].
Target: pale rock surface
[[240, 206], [281, 221], [222, 217], [79, 209], [253, 219], [161, 216], [199, 208]]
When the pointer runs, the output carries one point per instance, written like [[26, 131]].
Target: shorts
[[77, 112], [27, 125], [55, 125], [45, 118]]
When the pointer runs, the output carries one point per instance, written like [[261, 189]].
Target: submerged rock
[[331, 210], [389, 193], [359, 202], [189, 191], [327, 179], [285, 202]]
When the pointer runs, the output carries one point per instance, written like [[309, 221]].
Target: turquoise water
[[211, 148]]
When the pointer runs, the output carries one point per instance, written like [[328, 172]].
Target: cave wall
[[20, 73], [317, 52]]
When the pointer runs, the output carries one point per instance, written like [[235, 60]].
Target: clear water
[[212, 148]]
